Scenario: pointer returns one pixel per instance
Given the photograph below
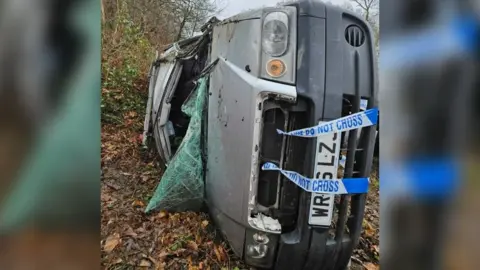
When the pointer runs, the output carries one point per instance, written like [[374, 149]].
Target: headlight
[[260, 238], [257, 251], [275, 34]]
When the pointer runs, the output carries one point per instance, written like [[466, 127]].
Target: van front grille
[[277, 194]]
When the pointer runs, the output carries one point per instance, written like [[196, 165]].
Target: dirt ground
[[133, 240]]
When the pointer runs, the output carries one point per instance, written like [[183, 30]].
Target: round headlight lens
[[275, 34], [260, 238], [257, 251]]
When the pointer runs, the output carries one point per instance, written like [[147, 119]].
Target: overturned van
[[285, 68]]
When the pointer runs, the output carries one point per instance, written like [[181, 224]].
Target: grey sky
[[236, 6]]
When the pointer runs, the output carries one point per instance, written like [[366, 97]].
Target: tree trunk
[[194, 25], [182, 25], [186, 14]]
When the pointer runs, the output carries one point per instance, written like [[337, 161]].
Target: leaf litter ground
[[161, 240]]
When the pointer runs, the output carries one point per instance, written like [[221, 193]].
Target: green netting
[[181, 187]]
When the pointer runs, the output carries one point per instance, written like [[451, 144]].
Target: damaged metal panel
[[166, 73], [152, 76], [234, 121], [177, 95], [239, 43], [168, 77]]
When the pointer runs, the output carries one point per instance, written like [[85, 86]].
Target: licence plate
[[326, 164]]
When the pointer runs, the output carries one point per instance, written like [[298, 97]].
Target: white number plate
[[326, 164]]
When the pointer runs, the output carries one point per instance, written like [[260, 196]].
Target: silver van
[[286, 67]]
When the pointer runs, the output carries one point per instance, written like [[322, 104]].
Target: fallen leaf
[[130, 232], [198, 238], [371, 266], [111, 242], [174, 217], [219, 253], [152, 260], [127, 123], [162, 214], [140, 230], [192, 245], [138, 204], [160, 266], [112, 185], [163, 255], [204, 223], [132, 114], [222, 253], [145, 263], [106, 197], [180, 252], [117, 261], [368, 228]]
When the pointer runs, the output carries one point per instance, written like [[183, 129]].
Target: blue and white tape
[[459, 35], [422, 177], [327, 186], [352, 121]]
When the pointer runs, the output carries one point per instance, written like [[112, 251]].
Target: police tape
[[327, 186], [422, 177], [353, 121]]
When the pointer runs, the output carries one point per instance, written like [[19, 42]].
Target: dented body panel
[[234, 127]]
